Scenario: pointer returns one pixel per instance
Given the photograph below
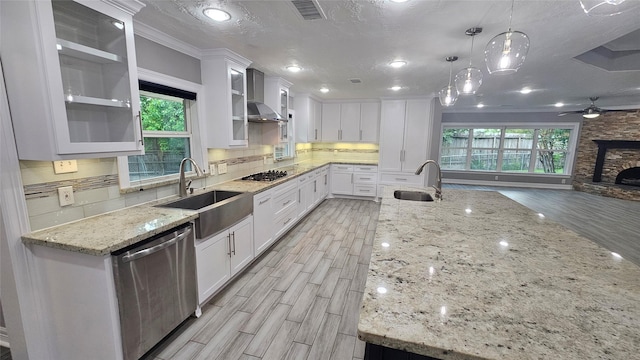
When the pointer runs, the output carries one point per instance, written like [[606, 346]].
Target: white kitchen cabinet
[[225, 84], [316, 121], [350, 122], [369, 122], [285, 207], [341, 179], [262, 221], [356, 180], [276, 96], [404, 138], [71, 75], [308, 118], [330, 122], [223, 255], [305, 194]]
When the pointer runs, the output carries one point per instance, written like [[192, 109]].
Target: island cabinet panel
[[377, 352], [71, 78]]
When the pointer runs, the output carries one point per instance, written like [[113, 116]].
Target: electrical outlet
[[65, 166], [65, 195], [496, 178], [222, 168], [212, 169]]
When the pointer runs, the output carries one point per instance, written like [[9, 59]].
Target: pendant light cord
[[450, 69], [471, 51], [511, 15]]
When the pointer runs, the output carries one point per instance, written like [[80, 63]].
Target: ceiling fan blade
[[570, 112], [618, 110]]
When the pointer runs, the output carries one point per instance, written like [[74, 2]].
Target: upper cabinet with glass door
[[225, 84], [71, 78], [276, 96]]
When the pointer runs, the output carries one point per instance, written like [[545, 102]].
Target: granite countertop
[[479, 276], [103, 234]]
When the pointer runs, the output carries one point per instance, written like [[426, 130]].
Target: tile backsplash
[[96, 187]]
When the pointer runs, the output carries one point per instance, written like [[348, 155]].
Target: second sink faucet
[[438, 185], [183, 187]]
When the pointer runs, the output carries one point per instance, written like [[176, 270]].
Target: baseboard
[[4, 338], [508, 184]]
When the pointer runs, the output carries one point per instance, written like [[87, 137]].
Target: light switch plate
[[222, 168], [65, 166], [212, 169], [65, 195]]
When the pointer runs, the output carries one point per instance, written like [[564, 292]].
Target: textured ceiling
[[359, 38]]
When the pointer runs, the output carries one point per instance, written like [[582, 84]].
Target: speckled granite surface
[[479, 276], [103, 234]]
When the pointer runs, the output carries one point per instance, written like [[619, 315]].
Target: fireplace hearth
[[629, 176]]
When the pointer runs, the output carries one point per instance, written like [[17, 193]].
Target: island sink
[[218, 209], [412, 195]]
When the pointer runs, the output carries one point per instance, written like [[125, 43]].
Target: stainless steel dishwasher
[[156, 286]]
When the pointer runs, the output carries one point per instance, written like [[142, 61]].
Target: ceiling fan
[[592, 111]]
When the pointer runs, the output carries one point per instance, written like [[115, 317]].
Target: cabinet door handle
[[140, 123], [352, 178], [229, 243], [234, 242], [264, 201], [316, 135], [360, 134], [325, 179], [299, 196], [400, 155], [314, 186]]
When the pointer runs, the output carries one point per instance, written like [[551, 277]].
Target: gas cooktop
[[270, 175]]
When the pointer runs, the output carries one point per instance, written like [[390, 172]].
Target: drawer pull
[[286, 222], [401, 179], [264, 201], [286, 202], [362, 178], [364, 190]]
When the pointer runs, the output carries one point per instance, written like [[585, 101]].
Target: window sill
[[156, 184]]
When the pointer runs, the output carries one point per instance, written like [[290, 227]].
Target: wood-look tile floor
[[300, 300]]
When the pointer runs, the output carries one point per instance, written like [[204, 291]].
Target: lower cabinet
[[357, 180], [263, 221], [223, 255]]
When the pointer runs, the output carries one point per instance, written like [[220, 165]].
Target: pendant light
[[448, 95], [468, 80], [505, 53], [607, 7]]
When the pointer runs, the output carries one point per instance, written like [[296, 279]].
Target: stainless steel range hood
[[257, 111]]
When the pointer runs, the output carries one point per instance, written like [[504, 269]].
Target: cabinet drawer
[[304, 178], [391, 178], [284, 188], [285, 201], [342, 167], [364, 190], [285, 220], [365, 168], [366, 178]]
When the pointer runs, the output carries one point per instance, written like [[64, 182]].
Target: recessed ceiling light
[[217, 14], [324, 90], [525, 90], [399, 1], [396, 88], [397, 63], [559, 104], [294, 68], [480, 106]]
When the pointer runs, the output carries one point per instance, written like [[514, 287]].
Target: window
[[167, 115], [518, 149]]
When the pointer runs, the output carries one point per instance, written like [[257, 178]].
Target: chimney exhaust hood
[[257, 111]]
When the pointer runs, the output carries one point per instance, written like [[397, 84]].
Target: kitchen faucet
[[182, 187], [438, 185]]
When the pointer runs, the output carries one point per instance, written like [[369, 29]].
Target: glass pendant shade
[[607, 7], [505, 53], [448, 96], [468, 80]]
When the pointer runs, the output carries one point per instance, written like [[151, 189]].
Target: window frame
[[570, 153], [194, 124]]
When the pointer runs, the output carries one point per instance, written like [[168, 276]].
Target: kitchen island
[[479, 276]]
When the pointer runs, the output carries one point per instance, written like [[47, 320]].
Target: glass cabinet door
[[92, 51], [238, 106]]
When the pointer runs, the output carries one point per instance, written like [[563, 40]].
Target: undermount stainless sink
[[218, 209], [412, 195]]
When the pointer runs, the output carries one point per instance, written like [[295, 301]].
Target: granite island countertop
[[103, 234], [479, 276]]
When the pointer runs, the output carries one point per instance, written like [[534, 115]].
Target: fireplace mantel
[[603, 145]]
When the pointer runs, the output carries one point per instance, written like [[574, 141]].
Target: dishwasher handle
[[148, 251]]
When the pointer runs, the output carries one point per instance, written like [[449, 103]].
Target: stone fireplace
[[608, 152]]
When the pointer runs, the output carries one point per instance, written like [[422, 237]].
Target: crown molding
[[129, 6], [161, 38], [227, 54]]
